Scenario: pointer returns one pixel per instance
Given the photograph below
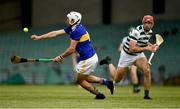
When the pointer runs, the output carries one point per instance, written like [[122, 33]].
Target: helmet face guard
[[148, 18], [76, 16]]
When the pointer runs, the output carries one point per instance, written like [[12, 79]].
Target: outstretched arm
[[48, 35]]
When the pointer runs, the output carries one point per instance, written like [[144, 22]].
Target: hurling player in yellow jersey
[[86, 59]]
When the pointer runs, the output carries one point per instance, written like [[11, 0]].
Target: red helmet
[[148, 18]]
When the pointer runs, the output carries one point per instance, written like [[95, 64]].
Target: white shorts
[[127, 60], [87, 66]]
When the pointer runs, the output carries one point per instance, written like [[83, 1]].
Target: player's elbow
[[72, 49]]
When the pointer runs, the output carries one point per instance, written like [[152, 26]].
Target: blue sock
[[105, 82]]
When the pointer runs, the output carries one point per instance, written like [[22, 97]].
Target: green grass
[[31, 96]]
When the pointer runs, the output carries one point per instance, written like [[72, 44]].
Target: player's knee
[[117, 79], [79, 81], [147, 71]]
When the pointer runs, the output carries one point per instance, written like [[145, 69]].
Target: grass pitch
[[71, 96]]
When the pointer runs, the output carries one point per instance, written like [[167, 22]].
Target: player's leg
[[112, 68], [85, 68], [91, 65], [142, 63], [134, 78], [95, 79], [81, 80], [117, 74], [120, 72]]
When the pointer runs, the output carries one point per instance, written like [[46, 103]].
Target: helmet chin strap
[[74, 23]]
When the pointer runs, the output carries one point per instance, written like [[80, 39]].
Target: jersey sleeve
[[134, 35], [124, 40], [74, 35], [67, 29]]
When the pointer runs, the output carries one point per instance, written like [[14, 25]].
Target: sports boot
[[107, 60], [100, 96]]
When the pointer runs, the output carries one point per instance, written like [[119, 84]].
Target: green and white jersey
[[139, 35]]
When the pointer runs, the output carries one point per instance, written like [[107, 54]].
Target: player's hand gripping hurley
[[17, 60], [159, 41]]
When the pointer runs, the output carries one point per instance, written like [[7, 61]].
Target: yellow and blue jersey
[[84, 47]]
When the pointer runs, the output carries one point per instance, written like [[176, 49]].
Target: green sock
[[146, 93], [135, 86], [109, 62]]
